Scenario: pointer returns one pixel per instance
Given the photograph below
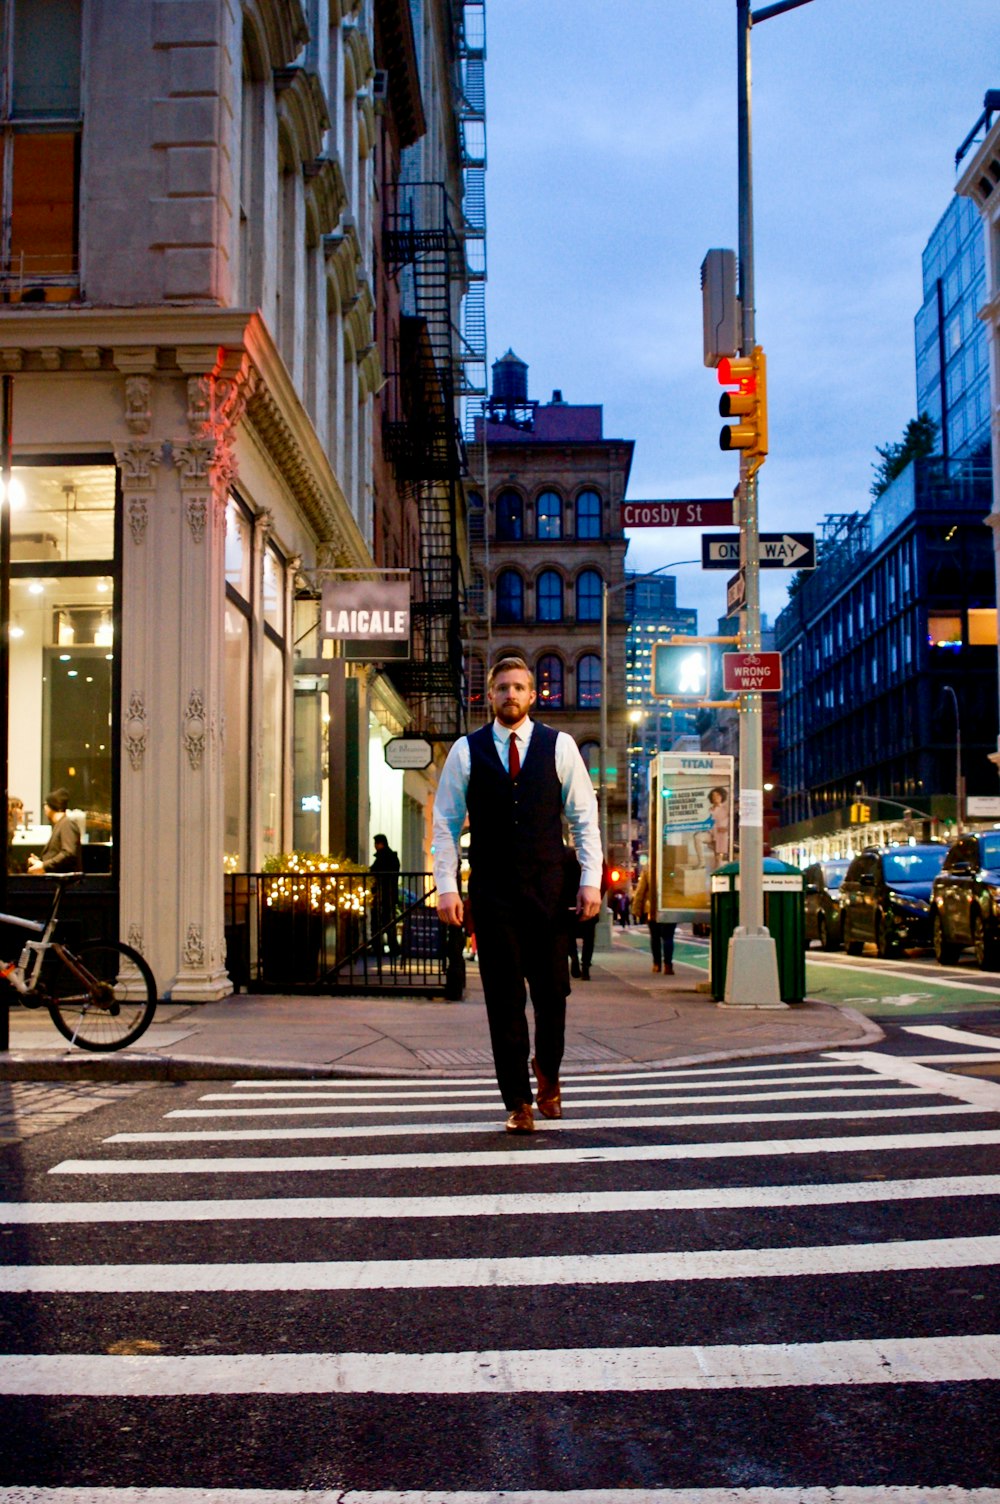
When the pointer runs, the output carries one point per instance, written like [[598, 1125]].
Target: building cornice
[[162, 340]]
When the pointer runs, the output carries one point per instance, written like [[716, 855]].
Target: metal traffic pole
[[752, 971]]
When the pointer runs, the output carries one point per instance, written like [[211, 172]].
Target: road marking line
[[529, 1153], [979, 1093], [953, 1036], [488, 1092], [697, 1072], [890, 1360], [500, 1273], [558, 1204], [811, 1494], [872, 1088], [566, 1125]]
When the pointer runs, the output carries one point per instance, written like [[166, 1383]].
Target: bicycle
[[101, 997]]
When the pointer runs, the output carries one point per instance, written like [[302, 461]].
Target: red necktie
[[514, 766]]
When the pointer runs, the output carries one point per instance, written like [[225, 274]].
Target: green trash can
[[784, 915]]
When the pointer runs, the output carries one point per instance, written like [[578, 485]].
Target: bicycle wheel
[[110, 1005]]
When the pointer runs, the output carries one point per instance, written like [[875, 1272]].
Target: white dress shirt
[[578, 799]]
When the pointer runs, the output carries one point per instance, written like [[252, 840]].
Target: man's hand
[[588, 903], [450, 909], [34, 865]]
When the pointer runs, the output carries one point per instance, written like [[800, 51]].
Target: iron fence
[[330, 932]]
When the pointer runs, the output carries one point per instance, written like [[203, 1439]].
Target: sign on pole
[[736, 593], [777, 550], [684, 513], [751, 673]]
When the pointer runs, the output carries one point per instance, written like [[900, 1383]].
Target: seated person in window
[[62, 850]]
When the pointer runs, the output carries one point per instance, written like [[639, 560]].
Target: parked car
[[885, 898], [822, 903], [965, 901]]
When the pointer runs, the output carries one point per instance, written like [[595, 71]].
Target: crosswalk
[[759, 1283]]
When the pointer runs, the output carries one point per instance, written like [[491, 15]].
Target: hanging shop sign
[[409, 752], [370, 617]]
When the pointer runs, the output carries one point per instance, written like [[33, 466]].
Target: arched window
[[549, 681], [549, 515], [591, 754], [510, 596], [510, 517], [549, 602], [588, 595], [588, 682], [588, 515]]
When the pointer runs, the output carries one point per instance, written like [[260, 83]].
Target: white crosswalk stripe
[[675, 1257]]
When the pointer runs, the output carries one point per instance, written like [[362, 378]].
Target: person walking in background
[[517, 778], [385, 896], [585, 930], [661, 936]]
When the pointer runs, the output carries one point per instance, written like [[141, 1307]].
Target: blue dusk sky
[[611, 134]]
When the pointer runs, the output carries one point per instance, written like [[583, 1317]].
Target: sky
[[611, 137]]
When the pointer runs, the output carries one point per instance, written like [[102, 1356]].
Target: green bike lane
[[878, 988]]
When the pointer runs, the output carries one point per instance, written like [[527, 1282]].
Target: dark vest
[[516, 851]]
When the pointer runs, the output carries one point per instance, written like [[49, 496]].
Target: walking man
[[516, 779]]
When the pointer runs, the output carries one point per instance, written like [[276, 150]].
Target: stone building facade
[[196, 338], [546, 538]]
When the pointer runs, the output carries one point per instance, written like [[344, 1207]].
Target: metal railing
[[339, 932]]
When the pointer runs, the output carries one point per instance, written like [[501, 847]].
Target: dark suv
[[965, 901], [823, 880], [885, 898]]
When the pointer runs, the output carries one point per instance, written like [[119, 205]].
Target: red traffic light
[[615, 874]]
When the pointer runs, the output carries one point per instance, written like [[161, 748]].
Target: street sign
[[777, 550], [720, 550], [736, 593], [409, 752], [745, 673], [683, 513], [983, 806]]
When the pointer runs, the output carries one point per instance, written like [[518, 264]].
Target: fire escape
[[428, 244]]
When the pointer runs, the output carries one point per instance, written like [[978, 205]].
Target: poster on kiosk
[[691, 819]]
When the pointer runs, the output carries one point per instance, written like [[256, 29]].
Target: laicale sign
[[371, 617]]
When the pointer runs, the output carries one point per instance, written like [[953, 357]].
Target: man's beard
[[509, 715]]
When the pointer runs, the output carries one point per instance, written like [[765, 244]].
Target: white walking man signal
[[692, 674]]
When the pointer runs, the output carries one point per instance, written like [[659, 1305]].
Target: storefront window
[[238, 538], [271, 734], [61, 681]]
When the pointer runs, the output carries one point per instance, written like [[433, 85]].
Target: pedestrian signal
[[680, 671], [748, 403]]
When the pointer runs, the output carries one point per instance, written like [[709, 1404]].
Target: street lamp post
[[607, 590], [947, 689], [634, 718]]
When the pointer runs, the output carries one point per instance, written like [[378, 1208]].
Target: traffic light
[[861, 814], [680, 671], [748, 403]]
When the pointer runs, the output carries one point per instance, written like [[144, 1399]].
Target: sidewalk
[[625, 1017]]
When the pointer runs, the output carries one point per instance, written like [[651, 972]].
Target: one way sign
[[777, 550]]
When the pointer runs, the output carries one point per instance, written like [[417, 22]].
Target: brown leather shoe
[[668, 967], [549, 1094], [656, 965], [521, 1120]]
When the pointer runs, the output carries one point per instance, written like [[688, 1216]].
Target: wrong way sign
[[777, 550], [746, 672]]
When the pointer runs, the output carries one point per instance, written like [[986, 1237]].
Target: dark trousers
[[520, 952], [661, 942], [584, 930]]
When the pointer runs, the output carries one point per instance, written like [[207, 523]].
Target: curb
[[21, 1066]]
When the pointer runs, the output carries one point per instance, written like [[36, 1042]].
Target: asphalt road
[[703, 1281]]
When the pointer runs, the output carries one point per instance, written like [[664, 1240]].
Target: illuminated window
[[549, 515], [549, 681], [40, 133], [944, 631], [588, 682], [982, 627]]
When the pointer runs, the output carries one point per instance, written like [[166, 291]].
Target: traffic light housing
[[747, 404], [680, 671], [861, 814]]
